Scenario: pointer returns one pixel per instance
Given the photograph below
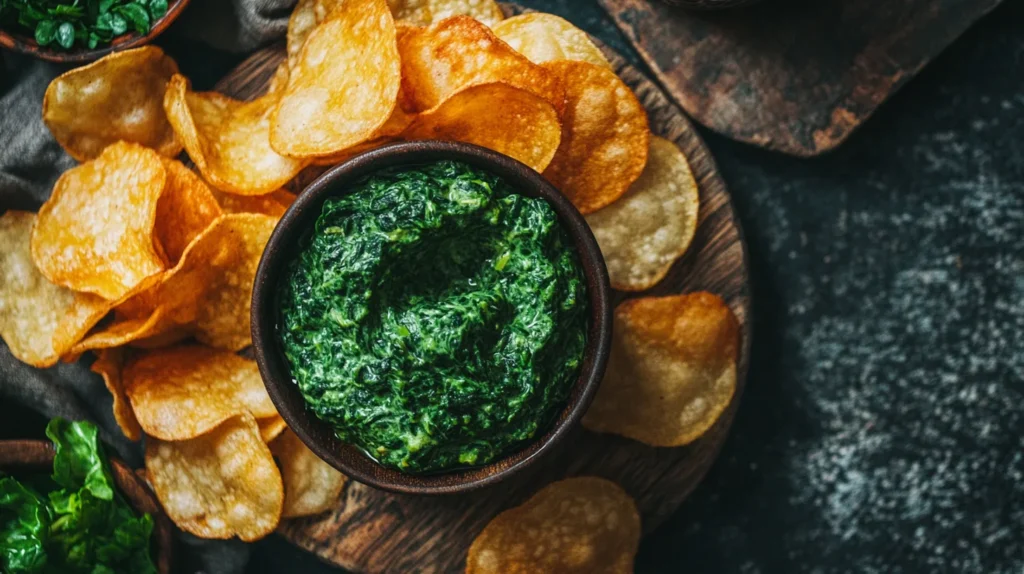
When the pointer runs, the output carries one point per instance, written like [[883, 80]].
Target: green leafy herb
[[80, 525], [435, 317], [66, 23]]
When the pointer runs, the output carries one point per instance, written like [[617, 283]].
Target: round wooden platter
[[375, 531]]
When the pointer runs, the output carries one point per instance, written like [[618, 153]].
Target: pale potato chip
[[485, 11], [643, 233], [671, 372], [115, 98], [228, 139], [311, 486], [109, 364], [271, 428], [181, 392], [223, 311], [273, 204], [497, 116], [604, 136], [300, 24], [31, 308], [584, 525], [545, 37], [95, 233], [185, 209], [453, 54], [344, 85], [220, 484]]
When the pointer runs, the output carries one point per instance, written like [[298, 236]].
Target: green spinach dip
[[434, 317]]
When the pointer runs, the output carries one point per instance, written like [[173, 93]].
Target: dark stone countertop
[[883, 425]]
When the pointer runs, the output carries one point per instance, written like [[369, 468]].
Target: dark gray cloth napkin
[[30, 161]]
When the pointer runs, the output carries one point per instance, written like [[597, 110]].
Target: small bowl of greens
[[431, 317], [82, 30], [65, 507]]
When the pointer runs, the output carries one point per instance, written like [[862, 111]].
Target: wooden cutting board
[[797, 76], [375, 531]]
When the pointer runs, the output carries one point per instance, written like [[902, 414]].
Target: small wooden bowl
[[34, 457], [281, 249], [22, 41]]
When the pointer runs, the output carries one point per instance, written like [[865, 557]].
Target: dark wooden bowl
[[22, 41], [282, 247], [30, 457]]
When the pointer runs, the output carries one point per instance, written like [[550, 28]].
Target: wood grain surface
[[374, 531], [797, 76]]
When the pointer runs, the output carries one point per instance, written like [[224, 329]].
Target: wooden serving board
[[797, 76], [376, 531]]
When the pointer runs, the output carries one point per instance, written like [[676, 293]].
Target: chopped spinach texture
[[435, 317], [72, 521]]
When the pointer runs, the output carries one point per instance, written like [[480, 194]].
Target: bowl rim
[[32, 455], [316, 434], [26, 44]]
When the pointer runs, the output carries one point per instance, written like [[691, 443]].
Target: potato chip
[[31, 308], [311, 486], [643, 233], [497, 116], [109, 364], [545, 37], [220, 484], [228, 139], [415, 12], [273, 204], [344, 85], [671, 372], [485, 11], [587, 525], [300, 24], [223, 311], [95, 233], [271, 427], [185, 209], [117, 97], [182, 392], [604, 136], [453, 54]]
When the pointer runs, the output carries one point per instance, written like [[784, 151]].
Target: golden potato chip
[[185, 209], [223, 311], [545, 37], [415, 12], [300, 24], [182, 392], [311, 486], [485, 11], [453, 54], [228, 139], [497, 116], [671, 372], [31, 308], [121, 331], [220, 484], [586, 524], [271, 427], [604, 136], [95, 233], [109, 364], [643, 233], [273, 204], [117, 97], [344, 85]]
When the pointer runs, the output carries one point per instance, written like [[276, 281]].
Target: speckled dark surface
[[883, 425]]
